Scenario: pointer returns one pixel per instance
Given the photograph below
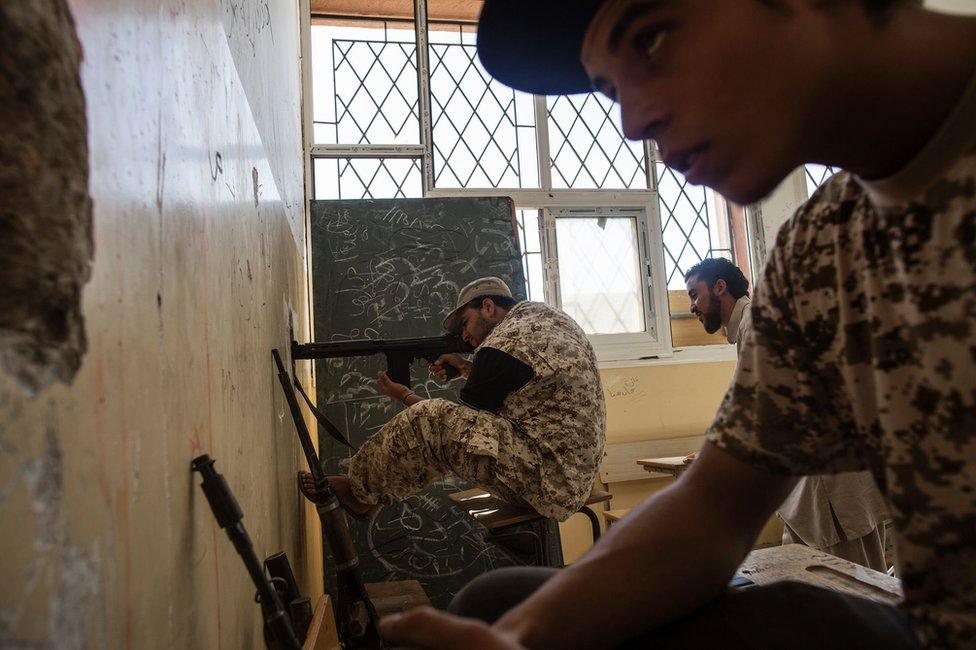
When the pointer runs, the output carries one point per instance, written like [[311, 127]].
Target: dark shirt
[[494, 374]]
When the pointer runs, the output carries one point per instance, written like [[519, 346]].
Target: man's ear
[[721, 286]]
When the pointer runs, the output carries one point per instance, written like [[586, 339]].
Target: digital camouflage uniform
[[543, 447], [863, 356]]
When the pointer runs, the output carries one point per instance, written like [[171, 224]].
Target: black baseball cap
[[534, 46]]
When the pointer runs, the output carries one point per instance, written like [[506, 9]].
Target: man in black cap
[[861, 354]]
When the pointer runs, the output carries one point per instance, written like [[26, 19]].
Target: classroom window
[[528, 222], [367, 178], [586, 147], [694, 224], [365, 84], [817, 175], [606, 231], [600, 280], [483, 133]]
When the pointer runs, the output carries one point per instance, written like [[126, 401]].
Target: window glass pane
[[694, 224], [364, 84], [483, 131], [367, 178], [528, 230], [588, 150], [599, 273], [817, 175]]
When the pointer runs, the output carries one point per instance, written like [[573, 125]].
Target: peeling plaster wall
[[196, 182], [45, 210]]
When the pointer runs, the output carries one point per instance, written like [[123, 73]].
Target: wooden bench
[[499, 517]]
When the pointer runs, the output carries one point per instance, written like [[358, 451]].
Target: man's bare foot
[[343, 491]]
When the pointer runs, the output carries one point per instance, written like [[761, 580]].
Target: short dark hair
[[713, 269], [505, 302]]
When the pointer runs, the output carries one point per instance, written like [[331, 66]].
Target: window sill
[[692, 354]]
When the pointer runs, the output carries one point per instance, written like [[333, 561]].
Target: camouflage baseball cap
[[490, 286]]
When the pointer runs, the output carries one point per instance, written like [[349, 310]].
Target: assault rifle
[[278, 631], [399, 353], [356, 619]]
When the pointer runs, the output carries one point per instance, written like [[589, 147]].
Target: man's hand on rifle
[[462, 365]]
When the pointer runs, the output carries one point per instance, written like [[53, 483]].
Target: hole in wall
[[45, 209]]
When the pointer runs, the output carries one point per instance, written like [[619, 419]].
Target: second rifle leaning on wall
[[356, 620]]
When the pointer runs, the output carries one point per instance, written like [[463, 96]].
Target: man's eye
[[647, 43]]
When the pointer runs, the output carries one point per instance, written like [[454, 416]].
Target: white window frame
[[655, 342]]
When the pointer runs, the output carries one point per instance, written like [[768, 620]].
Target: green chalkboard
[[393, 269]]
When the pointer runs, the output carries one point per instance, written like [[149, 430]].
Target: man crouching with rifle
[[530, 426]]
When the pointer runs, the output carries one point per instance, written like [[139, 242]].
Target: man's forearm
[[673, 553]]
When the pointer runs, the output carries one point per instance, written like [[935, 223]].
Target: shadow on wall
[[45, 209]]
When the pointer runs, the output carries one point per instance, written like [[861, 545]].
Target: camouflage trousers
[[437, 437]]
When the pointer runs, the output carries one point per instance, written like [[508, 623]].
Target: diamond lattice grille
[[686, 216], [475, 122], [375, 92], [587, 149], [367, 178], [531, 248], [817, 175]]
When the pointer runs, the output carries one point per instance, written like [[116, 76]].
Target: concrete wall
[[196, 181]]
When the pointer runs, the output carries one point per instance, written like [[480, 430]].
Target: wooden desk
[[670, 465], [614, 515], [804, 564]]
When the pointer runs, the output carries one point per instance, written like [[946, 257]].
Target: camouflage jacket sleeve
[[781, 412]]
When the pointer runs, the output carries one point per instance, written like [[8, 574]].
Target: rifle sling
[[321, 417]]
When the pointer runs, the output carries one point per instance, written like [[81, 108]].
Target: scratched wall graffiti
[[393, 269]]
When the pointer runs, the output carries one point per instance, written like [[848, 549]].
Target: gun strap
[[320, 417]]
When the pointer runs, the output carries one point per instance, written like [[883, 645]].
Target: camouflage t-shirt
[[560, 413], [863, 356]]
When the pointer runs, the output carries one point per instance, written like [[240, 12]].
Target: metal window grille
[[817, 175], [367, 178], [690, 226], [479, 125], [587, 148]]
